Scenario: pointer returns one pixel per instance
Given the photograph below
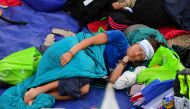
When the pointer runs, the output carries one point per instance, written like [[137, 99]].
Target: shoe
[[49, 40], [63, 32]]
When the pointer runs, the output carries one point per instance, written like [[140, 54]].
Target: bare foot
[[30, 102], [30, 95]]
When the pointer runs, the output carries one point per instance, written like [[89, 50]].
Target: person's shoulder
[[113, 32]]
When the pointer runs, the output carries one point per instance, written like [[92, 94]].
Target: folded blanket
[[86, 63]]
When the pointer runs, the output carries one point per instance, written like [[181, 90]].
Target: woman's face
[[136, 53]]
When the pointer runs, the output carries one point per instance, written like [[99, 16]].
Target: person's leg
[[54, 92], [33, 92], [51, 88], [57, 96], [84, 90]]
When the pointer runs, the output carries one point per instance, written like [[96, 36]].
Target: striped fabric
[[115, 25]]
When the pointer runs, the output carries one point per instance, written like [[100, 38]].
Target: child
[[117, 54]]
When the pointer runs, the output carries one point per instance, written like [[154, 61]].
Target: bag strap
[[176, 55]]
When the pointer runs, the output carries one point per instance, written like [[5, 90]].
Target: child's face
[[136, 53]]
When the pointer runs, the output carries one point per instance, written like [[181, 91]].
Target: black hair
[[155, 43]]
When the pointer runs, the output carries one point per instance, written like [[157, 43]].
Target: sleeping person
[[117, 53]]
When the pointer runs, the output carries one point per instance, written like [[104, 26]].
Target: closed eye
[[142, 53], [140, 49]]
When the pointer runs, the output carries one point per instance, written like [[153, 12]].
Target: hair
[[155, 43]]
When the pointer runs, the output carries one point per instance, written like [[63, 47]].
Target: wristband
[[122, 62], [71, 53]]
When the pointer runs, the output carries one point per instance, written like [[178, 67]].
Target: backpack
[[88, 10], [184, 54], [163, 66], [182, 83]]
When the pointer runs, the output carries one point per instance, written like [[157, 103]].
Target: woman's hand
[[66, 58], [117, 5]]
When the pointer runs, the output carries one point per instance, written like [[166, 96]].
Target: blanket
[[86, 63]]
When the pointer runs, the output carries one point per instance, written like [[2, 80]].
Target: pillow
[[46, 5]]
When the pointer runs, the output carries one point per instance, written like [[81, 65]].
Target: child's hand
[[117, 5], [66, 58], [125, 59], [131, 59]]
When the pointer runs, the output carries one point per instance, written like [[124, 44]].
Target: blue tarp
[[14, 38], [92, 99]]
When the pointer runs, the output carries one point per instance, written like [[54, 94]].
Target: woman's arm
[[119, 69], [96, 40]]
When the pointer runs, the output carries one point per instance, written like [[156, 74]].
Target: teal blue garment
[[86, 63], [144, 33]]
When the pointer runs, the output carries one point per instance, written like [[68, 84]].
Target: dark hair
[[155, 44]]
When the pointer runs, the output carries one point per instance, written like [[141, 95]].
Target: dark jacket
[[179, 11]]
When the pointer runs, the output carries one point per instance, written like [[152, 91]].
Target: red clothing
[[94, 26], [168, 32], [115, 25], [6, 3], [171, 32]]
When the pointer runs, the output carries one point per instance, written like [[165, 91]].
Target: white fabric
[[129, 9], [127, 79], [148, 49], [109, 101], [2, 6]]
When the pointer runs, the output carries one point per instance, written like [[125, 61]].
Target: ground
[[183, 40]]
